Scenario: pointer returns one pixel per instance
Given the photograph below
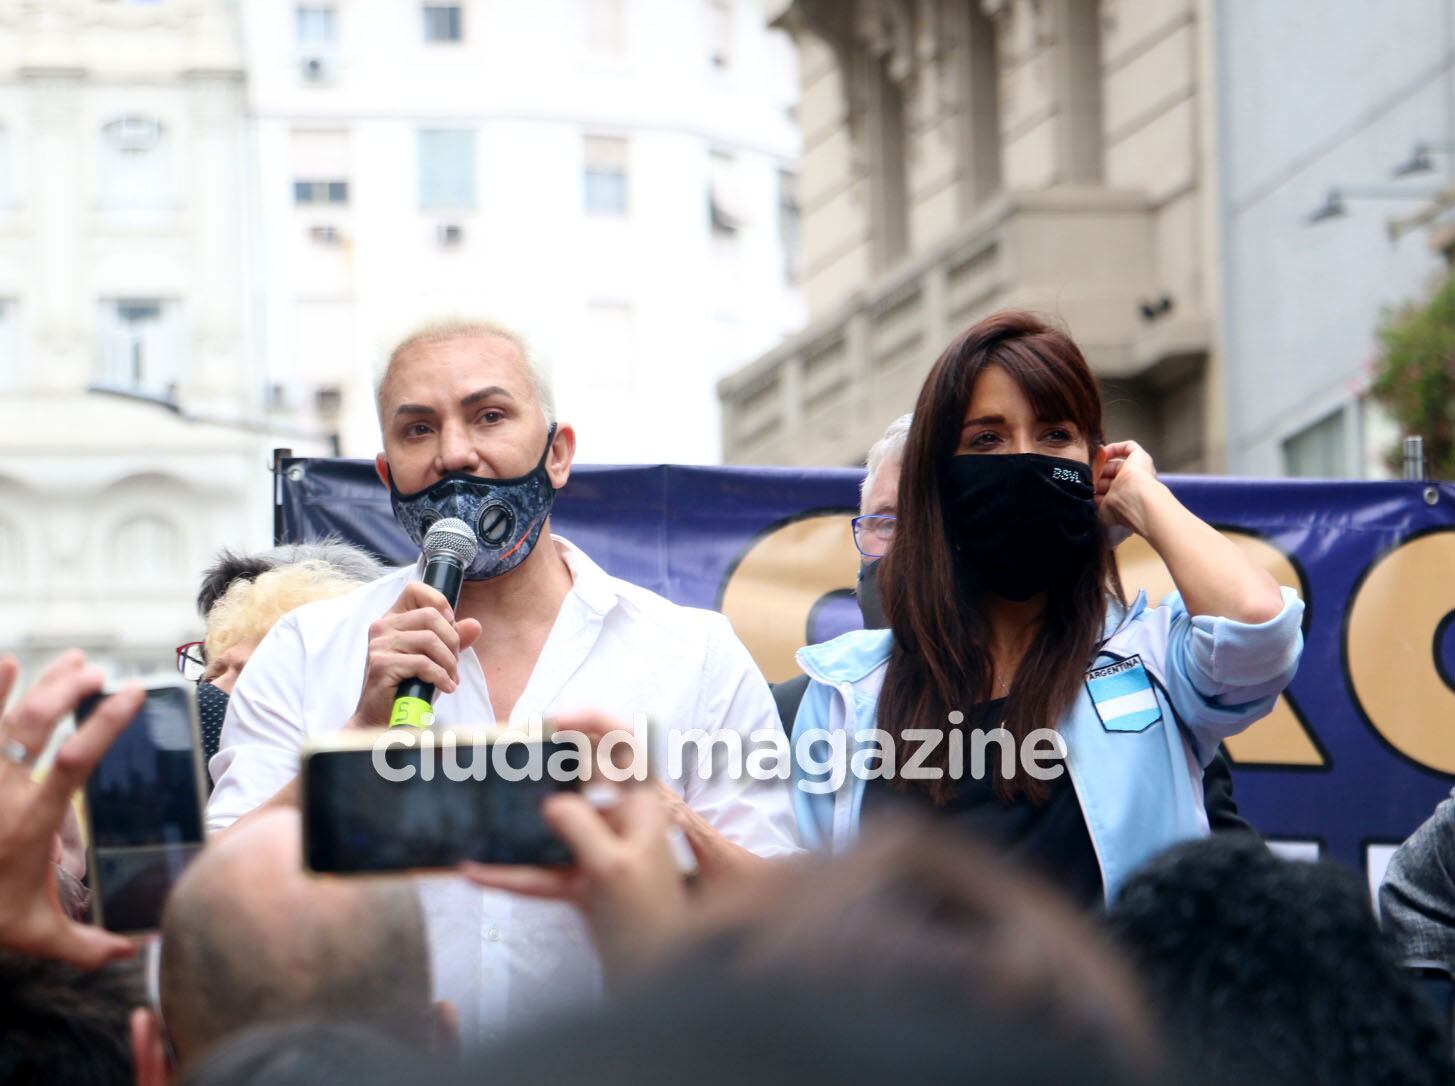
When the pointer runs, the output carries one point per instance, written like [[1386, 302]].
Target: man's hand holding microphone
[[414, 649]]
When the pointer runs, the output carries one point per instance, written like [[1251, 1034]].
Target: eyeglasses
[[873, 533], [192, 660]]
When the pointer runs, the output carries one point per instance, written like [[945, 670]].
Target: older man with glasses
[[873, 533]]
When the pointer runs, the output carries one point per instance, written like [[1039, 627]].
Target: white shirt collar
[[589, 581]]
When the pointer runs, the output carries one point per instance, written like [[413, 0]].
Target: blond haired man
[[469, 424]]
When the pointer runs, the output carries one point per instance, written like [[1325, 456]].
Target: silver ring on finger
[[13, 750]]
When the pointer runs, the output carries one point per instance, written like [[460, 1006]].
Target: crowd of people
[[1025, 866]]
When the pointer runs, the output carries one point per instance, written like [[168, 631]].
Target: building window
[[321, 192], [606, 27], [140, 345], [135, 164], [724, 205], [788, 223], [443, 23], [145, 548], [320, 169], [317, 27], [979, 133], [604, 175], [1379, 437], [1083, 78], [720, 33], [1320, 451], [446, 169], [888, 178]]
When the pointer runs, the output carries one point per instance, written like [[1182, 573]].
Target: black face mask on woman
[[1020, 524]]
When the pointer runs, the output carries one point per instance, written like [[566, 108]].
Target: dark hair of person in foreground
[[713, 1029], [1267, 970], [702, 1027], [935, 963], [61, 1026], [916, 957], [923, 903]]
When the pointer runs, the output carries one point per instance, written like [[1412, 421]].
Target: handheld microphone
[[449, 548]]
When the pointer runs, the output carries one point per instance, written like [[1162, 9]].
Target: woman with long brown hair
[[1017, 695]]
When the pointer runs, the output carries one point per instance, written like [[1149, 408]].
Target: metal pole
[[1414, 457], [279, 455]]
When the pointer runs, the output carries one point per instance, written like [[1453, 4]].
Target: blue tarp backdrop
[[1355, 756]]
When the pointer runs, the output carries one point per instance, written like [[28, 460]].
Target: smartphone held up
[[414, 800], [144, 803]]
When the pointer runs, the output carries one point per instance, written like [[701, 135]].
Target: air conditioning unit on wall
[[316, 69]]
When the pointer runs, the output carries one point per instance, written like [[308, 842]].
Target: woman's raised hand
[[1121, 470]]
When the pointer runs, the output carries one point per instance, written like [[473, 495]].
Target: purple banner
[[1354, 757]]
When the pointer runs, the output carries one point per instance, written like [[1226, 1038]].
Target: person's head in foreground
[[63, 1026], [248, 938], [916, 957], [314, 1053], [1266, 970], [469, 428]]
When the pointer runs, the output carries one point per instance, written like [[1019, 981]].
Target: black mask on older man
[[1020, 524], [871, 607], [211, 712]]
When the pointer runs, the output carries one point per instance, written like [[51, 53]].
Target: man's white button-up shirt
[[615, 647]]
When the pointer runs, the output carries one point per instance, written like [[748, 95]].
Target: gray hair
[[229, 567], [348, 561], [439, 330], [889, 447]]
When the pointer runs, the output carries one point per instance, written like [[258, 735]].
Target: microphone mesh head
[[450, 536]]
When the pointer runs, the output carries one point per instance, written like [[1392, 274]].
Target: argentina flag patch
[[1123, 696]]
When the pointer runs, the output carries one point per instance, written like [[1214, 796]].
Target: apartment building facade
[[960, 156], [1336, 127], [612, 177], [123, 320]]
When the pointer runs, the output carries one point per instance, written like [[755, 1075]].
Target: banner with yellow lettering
[[1355, 755]]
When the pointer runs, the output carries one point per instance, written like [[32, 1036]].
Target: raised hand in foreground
[[32, 920], [625, 878]]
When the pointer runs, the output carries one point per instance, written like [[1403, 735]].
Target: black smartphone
[[372, 808], [144, 804]]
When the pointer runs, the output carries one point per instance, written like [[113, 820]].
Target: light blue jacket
[[1163, 690]]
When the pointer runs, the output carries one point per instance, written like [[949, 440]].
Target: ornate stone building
[[965, 155], [123, 270]]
